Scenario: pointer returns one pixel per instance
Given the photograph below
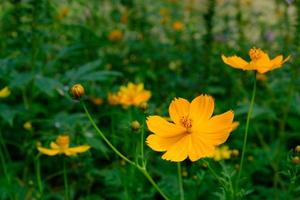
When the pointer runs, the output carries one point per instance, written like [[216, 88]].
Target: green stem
[[147, 175], [247, 128], [180, 185], [142, 169], [142, 140], [38, 175], [67, 193], [103, 136]]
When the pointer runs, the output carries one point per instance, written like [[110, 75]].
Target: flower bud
[[235, 152], [297, 149], [296, 160], [135, 125], [77, 91], [144, 106]]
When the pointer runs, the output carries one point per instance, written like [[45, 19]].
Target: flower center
[[186, 122], [63, 141], [255, 53]]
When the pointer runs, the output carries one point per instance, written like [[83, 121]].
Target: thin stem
[[141, 168], [67, 193], [38, 175], [142, 140], [247, 128], [144, 171], [180, 185], [103, 136]]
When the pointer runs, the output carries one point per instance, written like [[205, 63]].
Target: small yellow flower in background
[[27, 126], [63, 12], [296, 160], [5, 92], [222, 153], [261, 77], [115, 35], [260, 61], [130, 95], [195, 132], [177, 26], [297, 149], [77, 91], [96, 100], [113, 99], [61, 146]]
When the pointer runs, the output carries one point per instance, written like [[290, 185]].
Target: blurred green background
[[173, 47]]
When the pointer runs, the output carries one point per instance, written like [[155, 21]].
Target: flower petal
[[179, 151], [278, 61], [236, 62], [201, 109], [74, 150], [142, 97], [162, 127], [158, 143], [199, 149], [179, 108], [49, 152], [53, 145], [217, 129]]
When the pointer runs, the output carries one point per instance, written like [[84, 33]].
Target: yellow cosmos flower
[[96, 100], [5, 92], [222, 153], [61, 146], [177, 26], [130, 95], [260, 61], [115, 35], [195, 132]]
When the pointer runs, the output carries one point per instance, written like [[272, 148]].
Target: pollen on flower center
[[255, 53], [186, 122], [63, 141]]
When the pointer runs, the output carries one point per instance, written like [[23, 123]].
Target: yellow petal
[[179, 151], [199, 149], [217, 129], [74, 150], [53, 145], [163, 128], [179, 108], [158, 143], [278, 61], [236, 62], [142, 97], [49, 152], [201, 109], [5, 92]]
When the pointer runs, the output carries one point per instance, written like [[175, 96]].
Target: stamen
[[186, 122], [255, 53]]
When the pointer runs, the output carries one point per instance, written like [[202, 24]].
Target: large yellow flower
[[195, 132], [130, 95], [5, 92], [260, 61], [61, 146]]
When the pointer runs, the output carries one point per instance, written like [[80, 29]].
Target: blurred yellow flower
[[61, 146], [27, 125], [260, 61], [63, 12], [115, 35], [177, 26], [195, 132], [222, 153], [130, 95], [5, 92]]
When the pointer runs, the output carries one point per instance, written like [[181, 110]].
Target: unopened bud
[[135, 125], [296, 160], [77, 91], [235, 152], [297, 149]]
